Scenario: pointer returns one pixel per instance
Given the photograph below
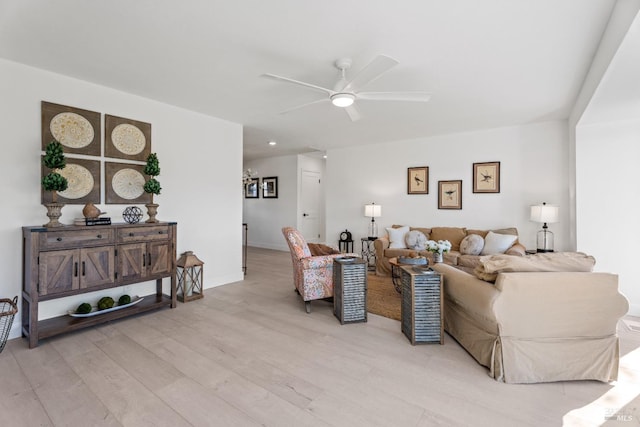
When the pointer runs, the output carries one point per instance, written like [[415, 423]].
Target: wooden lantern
[[189, 274]]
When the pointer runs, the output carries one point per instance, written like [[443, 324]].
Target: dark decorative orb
[[132, 214]]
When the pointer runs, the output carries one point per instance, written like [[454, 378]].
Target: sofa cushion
[[396, 237], [495, 243], [453, 234], [416, 240], [471, 245]]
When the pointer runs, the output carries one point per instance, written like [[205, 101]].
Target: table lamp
[[373, 211], [545, 214]]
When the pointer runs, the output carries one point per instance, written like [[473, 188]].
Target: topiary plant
[[54, 159], [152, 168]]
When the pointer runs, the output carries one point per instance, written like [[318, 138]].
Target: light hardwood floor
[[248, 354]]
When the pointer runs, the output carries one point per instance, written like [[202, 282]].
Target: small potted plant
[[152, 186], [54, 160]]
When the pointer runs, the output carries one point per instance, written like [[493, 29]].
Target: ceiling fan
[[346, 92]]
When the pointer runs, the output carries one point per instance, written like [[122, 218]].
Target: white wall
[[533, 160], [198, 156], [607, 200], [266, 217]]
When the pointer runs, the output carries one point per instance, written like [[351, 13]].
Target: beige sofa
[[455, 235], [536, 326]]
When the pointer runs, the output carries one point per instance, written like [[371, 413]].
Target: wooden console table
[[71, 260]]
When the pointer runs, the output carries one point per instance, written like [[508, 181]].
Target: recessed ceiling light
[[272, 143], [324, 157]]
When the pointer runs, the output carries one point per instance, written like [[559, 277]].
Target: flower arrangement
[[247, 176], [438, 247]]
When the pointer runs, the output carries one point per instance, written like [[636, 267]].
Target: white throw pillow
[[472, 245], [396, 237], [495, 243], [416, 240]]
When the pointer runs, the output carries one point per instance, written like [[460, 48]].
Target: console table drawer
[[76, 238], [143, 234]]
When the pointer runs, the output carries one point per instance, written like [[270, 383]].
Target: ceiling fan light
[[342, 99]]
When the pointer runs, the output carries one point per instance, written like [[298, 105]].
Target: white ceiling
[[488, 63]]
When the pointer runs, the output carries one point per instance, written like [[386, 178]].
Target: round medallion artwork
[[80, 181], [71, 130], [128, 183], [128, 139]]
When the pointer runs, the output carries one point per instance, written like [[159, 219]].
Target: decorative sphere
[[132, 214]]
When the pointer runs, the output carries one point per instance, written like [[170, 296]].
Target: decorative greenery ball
[[54, 156], [105, 302], [84, 308], [152, 168], [132, 214], [152, 186], [53, 181], [124, 300]]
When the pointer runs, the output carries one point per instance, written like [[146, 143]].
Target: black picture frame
[[251, 189], [486, 177], [450, 194], [270, 187], [418, 180]]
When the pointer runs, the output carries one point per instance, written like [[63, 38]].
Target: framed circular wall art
[[124, 184], [126, 138], [83, 177], [77, 130]]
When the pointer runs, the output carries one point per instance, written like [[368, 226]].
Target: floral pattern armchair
[[312, 275]]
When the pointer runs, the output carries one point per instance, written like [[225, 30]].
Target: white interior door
[[310, 204]]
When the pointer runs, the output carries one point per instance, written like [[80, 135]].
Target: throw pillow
[[496, 243], [416, 240], [396, 237], [471, 245], [319, 249]]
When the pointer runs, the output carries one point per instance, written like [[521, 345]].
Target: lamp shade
[[373, 210], [544, 213]]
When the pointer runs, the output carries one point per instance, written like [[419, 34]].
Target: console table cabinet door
[[132, 261], [97, 266], [159, 258], [58, 272]]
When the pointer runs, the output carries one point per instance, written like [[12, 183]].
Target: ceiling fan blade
[[303, 105], [353, 112], [372, 71], [395, 96], [297, 82]]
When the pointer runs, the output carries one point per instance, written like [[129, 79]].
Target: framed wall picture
[[83, 177], [124, 184], [270, 187], [76, 129], [450, 194], [126, 138], [486, 177], [251, 189], [418, 180]]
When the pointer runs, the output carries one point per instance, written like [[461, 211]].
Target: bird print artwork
[[486, 177], [450, 194], [418, 180]]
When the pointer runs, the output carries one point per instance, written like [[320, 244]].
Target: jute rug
[[382, 297]]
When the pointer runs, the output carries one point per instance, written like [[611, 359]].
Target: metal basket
[[8, 310]]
